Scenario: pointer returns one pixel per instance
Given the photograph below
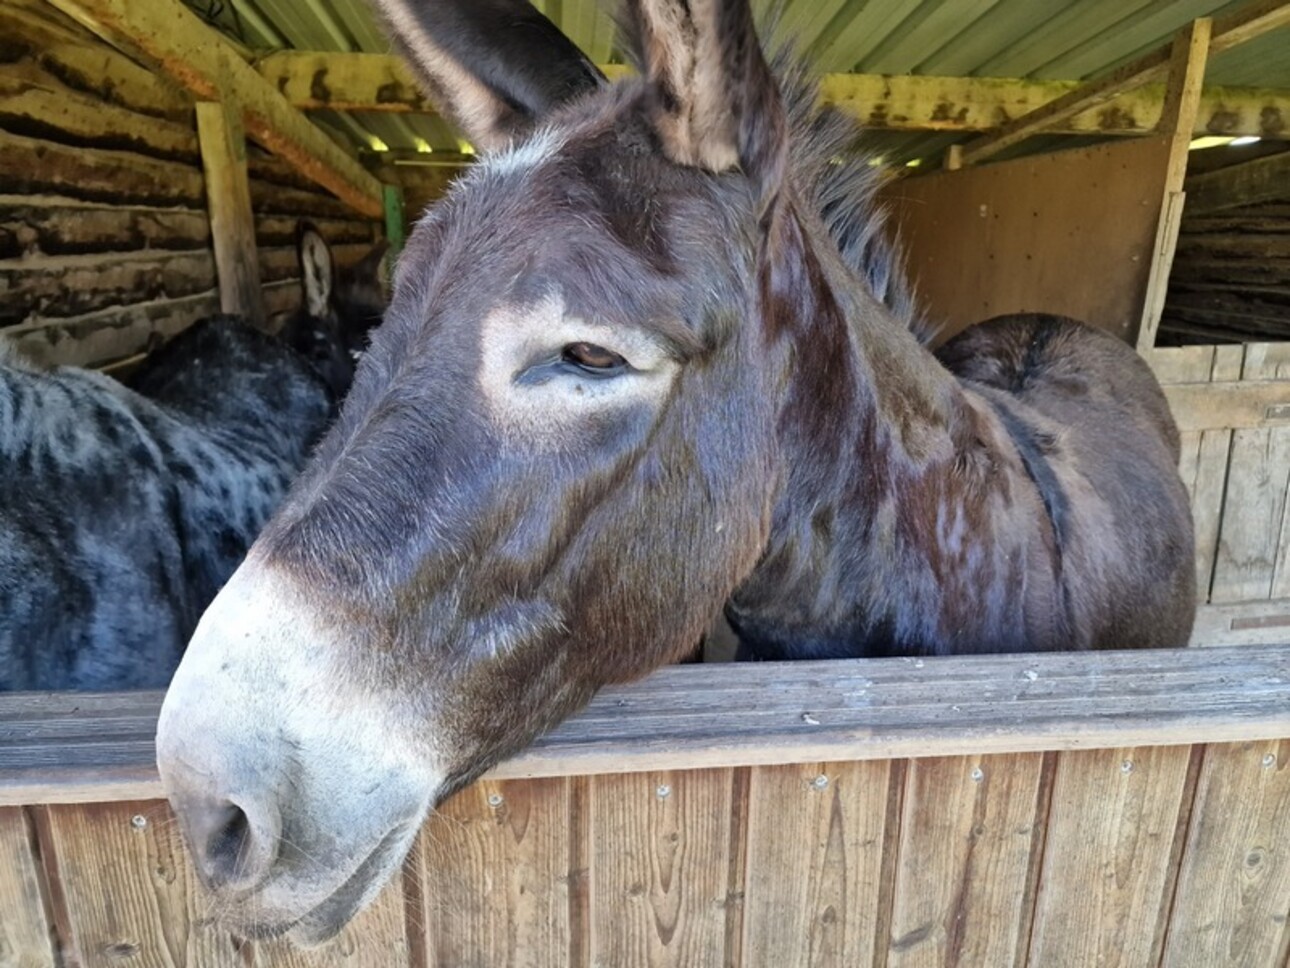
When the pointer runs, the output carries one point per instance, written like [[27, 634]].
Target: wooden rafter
[[317, 80], [1177, 121], [168, 37], [1236, 28]]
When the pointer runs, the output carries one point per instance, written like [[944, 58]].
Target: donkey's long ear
[[317, 272], [496, 67], [717, 103]]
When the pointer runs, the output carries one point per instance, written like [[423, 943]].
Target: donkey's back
[[1095, 434]]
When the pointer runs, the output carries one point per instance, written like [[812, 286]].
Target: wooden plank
[[1103, 888], [1236, 404], [1210, 488], [1162, 262], [972, 832], [1258, 622], [818, 836], [345, 81], [1233, 892], [377, 938], [25, 931], [1249, 536], [1244, 24], [1259, 180], [228, 200], [1182, 364], [496, 876], [1177, 121], [77, 747], [660, 868], [124, 891], [171, 38]]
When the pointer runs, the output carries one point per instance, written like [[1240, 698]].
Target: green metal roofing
[[1042, 39]]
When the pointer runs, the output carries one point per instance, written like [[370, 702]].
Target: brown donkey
[[631, 373]]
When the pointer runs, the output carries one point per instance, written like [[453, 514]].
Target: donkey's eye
[[593, 358]]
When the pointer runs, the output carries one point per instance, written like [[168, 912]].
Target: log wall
[[1231, 276], [104, 234]]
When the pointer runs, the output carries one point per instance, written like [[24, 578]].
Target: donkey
[[123, 511], [628, 376]]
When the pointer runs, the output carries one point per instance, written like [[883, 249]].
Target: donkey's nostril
[[233, 849]]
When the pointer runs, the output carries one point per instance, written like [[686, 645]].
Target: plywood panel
[[660, 872], [1233, 894], [1069, 232], [973, 827], [499, 873], [1109, 857], [818, 839], [24, 928]]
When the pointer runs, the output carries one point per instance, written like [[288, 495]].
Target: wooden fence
[[1048, 810], [1232, 404]]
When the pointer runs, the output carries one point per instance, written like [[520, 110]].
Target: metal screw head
[[138, 821], [663, 792], [1270, 759], [820, 782], [1126, 766], [978, 775], [494, 800]]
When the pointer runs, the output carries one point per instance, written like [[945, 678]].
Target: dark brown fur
[[492, 531]]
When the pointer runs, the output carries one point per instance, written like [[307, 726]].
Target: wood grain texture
[[1009, 237], [660, 859], [74, 747], [125, 889], [971, 827], [815, 862], [1102, 891], [1233, 896], [496, 877], [228, 202], [1242, 623], [25, 931]]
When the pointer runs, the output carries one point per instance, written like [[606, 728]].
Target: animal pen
[[1121, 808]]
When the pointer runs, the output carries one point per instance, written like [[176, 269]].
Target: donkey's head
[[339, 308], [559, 456]]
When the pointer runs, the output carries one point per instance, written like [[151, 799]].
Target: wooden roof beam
[[315, 80], [168, 37], [1236, 28]]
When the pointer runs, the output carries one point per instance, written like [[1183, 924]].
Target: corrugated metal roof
[[1042, 39]]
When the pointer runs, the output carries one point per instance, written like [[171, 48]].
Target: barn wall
[[1231, 276], [1068, 232], [104, 234]]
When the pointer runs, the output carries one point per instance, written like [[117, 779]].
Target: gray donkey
[[123, 510]]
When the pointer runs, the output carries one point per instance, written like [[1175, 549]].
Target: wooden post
[[1178, 120], [395, 220], [228, 202]]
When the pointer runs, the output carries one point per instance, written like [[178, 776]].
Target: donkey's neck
[[894, 487]]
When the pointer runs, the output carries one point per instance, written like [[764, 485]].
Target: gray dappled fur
[[120, 515]]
